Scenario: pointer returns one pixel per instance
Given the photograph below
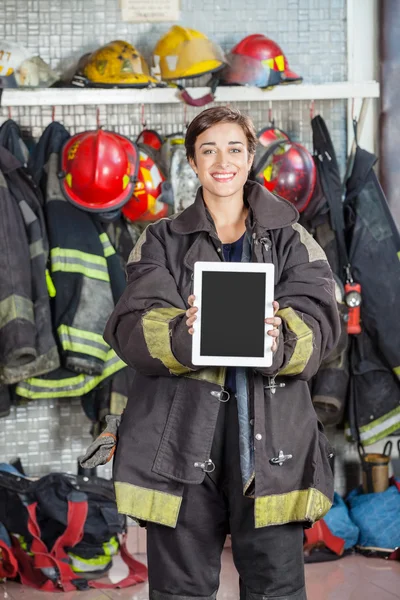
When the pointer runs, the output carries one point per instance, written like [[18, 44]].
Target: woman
[[190, 464]]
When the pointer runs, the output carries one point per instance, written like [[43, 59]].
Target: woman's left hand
[[276, 322]]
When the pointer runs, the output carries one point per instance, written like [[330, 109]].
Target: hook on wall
[[312, 109], [143, 118], [98, 117], [185, 117], [53, 114], [270, 117], [9, 112]]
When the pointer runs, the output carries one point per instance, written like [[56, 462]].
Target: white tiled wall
[[50, 435]]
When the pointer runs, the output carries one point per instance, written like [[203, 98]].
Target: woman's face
[[222, 159]]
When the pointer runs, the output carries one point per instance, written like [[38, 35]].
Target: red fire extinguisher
[[352, 298]]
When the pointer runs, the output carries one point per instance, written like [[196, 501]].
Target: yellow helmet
[[184, 52], [117, 64]]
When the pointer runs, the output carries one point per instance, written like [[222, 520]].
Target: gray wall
[[50, 435]]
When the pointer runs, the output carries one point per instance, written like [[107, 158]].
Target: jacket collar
[[266, 212], [8, 162]]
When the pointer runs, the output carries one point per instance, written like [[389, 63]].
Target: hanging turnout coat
[[167, 429], [374, 253]]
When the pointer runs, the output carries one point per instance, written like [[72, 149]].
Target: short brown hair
[[213, 116]]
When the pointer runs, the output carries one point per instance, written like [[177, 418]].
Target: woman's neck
[[229, 216]]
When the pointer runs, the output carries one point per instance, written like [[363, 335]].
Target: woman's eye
[[208, 151], [235, 150]]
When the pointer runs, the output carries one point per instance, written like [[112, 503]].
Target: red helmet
[[271, 134], [146, 203], [257, 60], [98, 170], [288, 171], [151, 138]]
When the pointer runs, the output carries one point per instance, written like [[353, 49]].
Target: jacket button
[[258, 436], [251, 421]]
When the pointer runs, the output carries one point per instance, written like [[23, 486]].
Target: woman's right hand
[[191, 314]]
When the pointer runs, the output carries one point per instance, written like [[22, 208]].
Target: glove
[[102, 449]]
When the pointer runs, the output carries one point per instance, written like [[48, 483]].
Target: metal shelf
[[79, 97]]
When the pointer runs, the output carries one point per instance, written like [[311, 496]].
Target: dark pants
[[185, 562]]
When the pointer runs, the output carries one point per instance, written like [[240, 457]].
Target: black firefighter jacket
[[167, 429], [27, 345]]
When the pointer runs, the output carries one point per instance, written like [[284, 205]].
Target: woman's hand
[[276, 322], [191, 314]]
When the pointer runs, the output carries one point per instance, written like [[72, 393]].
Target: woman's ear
[[193, 165], [250, 161]]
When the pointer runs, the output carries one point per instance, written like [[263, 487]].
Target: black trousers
[[184, 563]]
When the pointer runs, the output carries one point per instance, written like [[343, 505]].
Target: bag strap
[[76, 518]]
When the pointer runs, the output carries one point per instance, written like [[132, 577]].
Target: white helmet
[[19, 68]]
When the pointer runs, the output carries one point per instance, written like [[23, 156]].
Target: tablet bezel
[[233, 361]]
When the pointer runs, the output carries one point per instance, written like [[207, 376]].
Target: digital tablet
[[233, 300]]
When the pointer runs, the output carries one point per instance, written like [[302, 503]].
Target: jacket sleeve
[[305, 291], [148, 326]]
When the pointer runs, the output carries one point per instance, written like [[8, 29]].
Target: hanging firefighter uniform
[[86, 281], [322, 219], [27, 344], [374, 255]]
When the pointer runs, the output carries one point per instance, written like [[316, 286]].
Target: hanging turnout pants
[[184, 563]]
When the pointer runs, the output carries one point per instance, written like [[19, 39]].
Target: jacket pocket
[[324, 478], [187, 438]]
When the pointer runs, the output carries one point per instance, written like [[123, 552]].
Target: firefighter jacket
[[27, 345], [323, 218], [374, 251], [167, 428], [88, 279]]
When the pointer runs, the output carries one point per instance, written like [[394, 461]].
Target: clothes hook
[[98, 117], [185, 118], [270, 118], [143, 117], [9, 113], [312, 107], [53, 113]]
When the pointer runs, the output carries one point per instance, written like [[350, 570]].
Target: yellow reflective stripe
[[82, 565], [211, 374], [147, 505], [111, 547], [397, 371], [108, 248], [118, 403], [156, 333], [84, 256], [85, 342], [75, 261], [84, 349], [304, 342], [16, 307], [74, 386], [379, 428], [299, 505], [75, 268], [69, 331]]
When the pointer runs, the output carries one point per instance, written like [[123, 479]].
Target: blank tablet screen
[[233, 312]]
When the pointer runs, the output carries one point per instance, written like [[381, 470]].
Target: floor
[[351, 578]]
